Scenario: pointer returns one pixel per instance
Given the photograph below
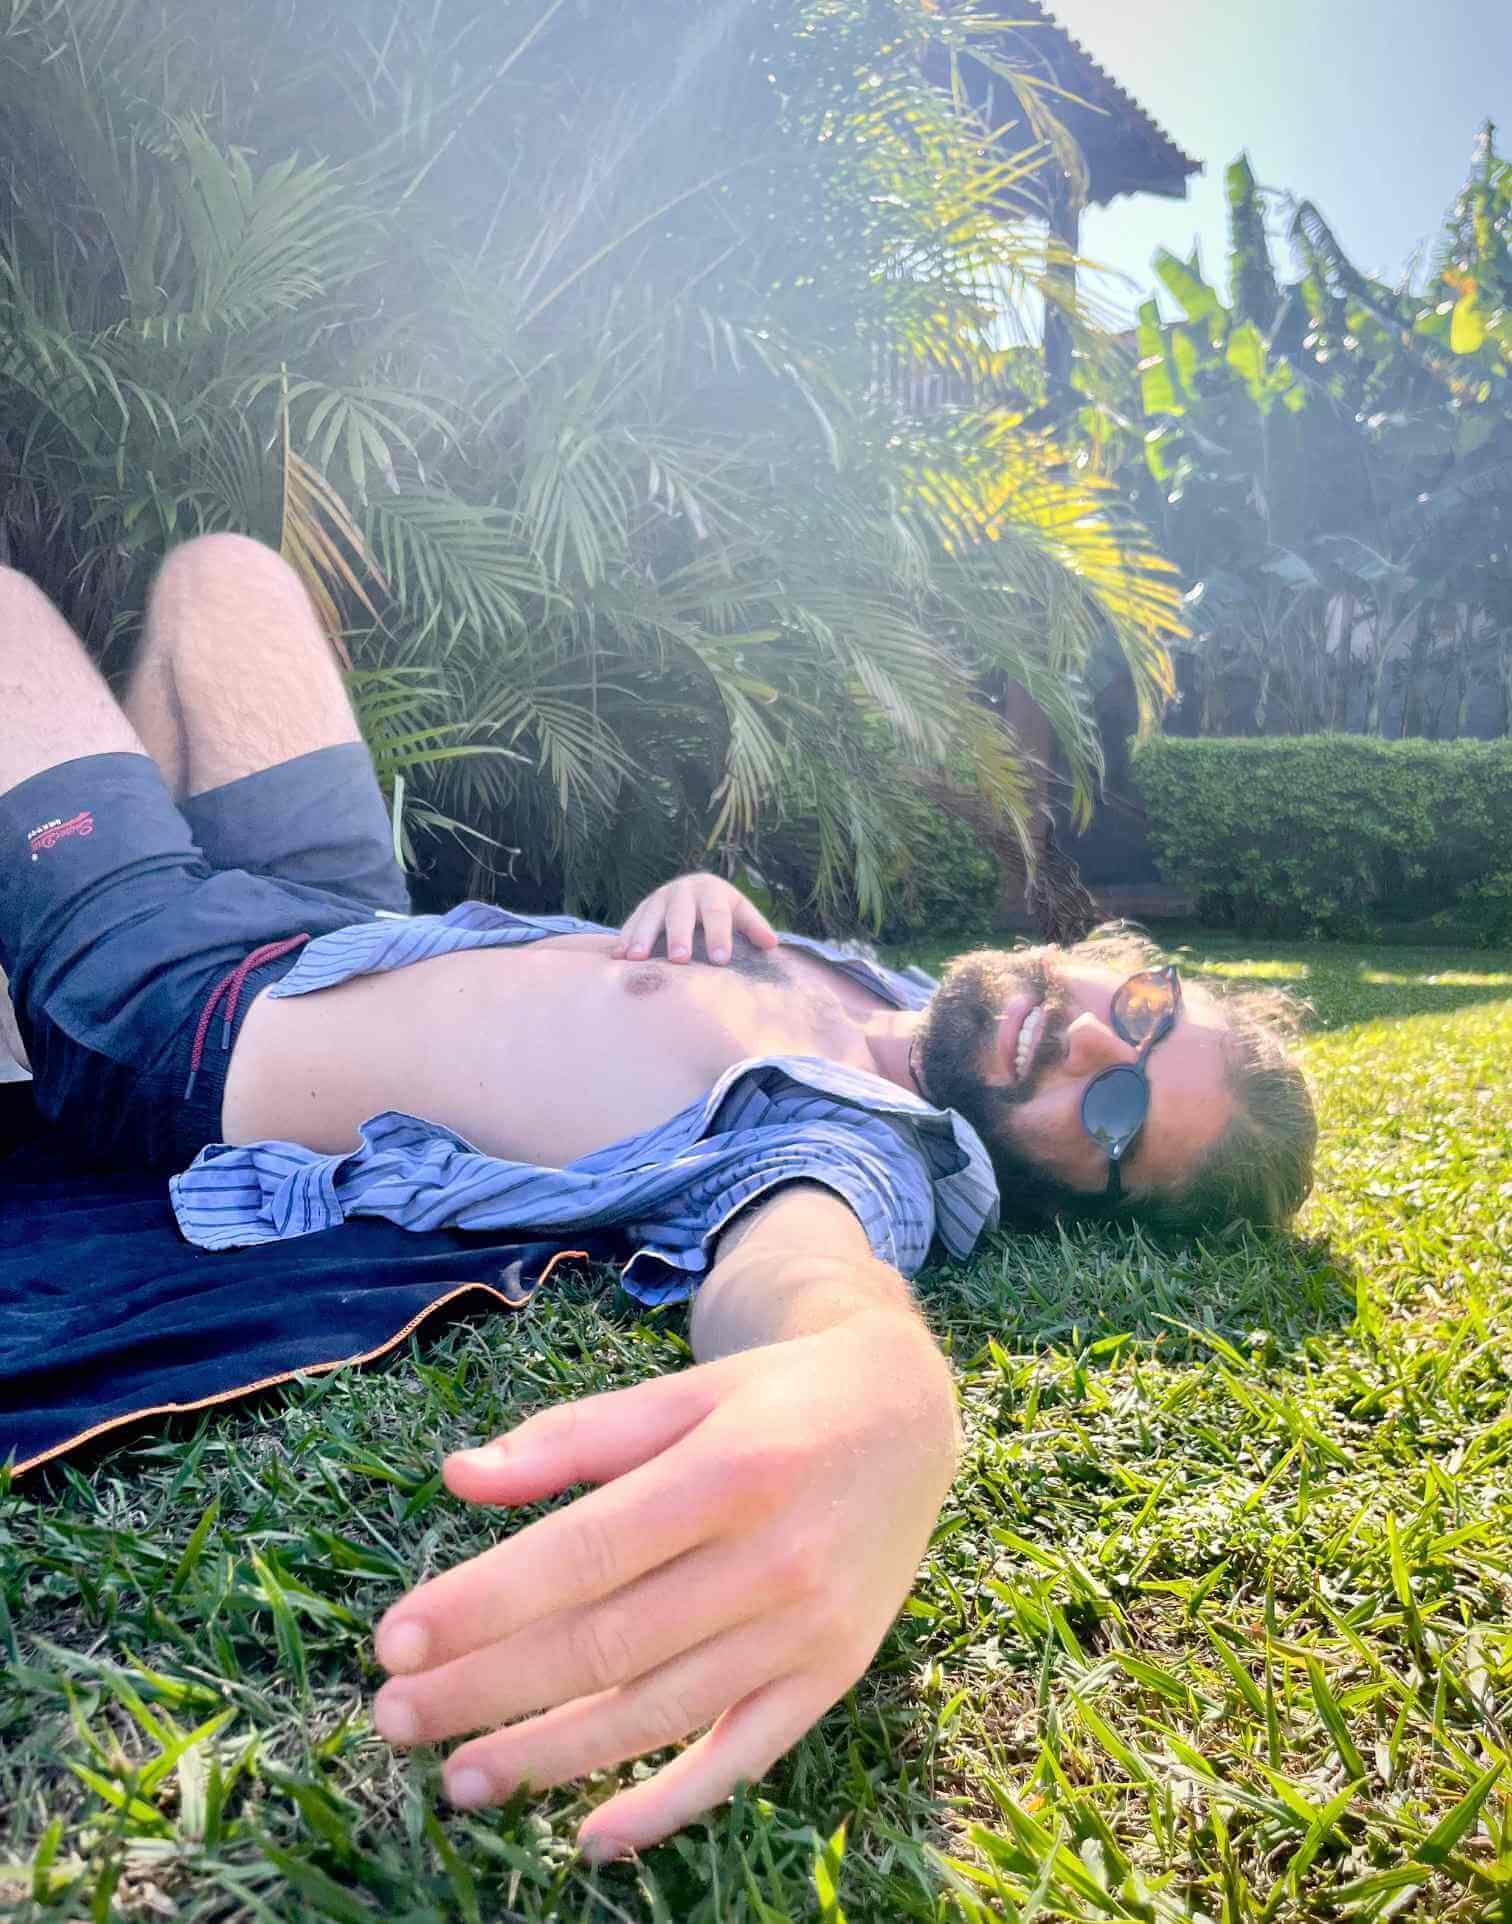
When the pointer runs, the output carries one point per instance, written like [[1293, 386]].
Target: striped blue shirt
[[909, 1171]]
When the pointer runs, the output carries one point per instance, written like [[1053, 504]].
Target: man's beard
[[955, 1038]]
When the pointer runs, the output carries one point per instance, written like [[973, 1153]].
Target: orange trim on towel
[[309, 1369]]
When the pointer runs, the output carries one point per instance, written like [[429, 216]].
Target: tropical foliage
[[1329, 460], [566, 352]]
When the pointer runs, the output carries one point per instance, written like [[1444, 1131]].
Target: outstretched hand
[[758, 1524], [680, 908]]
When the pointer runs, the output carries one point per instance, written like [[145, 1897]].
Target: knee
[[212, 564], [220, 589]]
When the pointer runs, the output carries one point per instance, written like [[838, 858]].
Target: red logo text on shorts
[[49, 834]]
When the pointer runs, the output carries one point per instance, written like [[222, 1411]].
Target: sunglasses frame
[[1117, 1147]]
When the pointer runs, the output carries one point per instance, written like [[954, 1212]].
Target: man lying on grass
[[215, 975]]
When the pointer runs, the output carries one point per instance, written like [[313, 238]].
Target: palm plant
[[543, 340]]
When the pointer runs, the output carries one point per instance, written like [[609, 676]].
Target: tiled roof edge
[[1184, 162]]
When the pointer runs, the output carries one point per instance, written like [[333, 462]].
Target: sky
[[1369, 108]]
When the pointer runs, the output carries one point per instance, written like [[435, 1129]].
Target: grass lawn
[[1217, 1623]]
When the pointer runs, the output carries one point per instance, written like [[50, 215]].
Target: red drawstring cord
[[235, 981]]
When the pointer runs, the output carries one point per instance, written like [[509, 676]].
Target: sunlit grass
[[1464, 978], [1218, 1622]]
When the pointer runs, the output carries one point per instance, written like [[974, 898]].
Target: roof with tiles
[[1126, 150]]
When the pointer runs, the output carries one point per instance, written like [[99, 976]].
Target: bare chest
[[543, 1054], [768, 1006]]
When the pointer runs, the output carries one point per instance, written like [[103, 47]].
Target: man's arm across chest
[[757, 1524]]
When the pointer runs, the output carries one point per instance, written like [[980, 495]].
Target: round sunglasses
[[1116, 1102]]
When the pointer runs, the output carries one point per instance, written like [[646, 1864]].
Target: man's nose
[[1092, 1045]]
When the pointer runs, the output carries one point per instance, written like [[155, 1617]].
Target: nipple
[[644, 979]]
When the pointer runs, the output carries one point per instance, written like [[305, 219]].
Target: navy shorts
[[122, 912]]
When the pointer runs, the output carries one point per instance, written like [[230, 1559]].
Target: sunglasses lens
[[1115, 1105], [1141, 1004]]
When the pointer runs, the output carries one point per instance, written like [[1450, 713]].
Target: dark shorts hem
[[315, 822]]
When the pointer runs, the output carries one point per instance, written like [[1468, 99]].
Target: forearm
[[749, 1300], [795, 1263], [800, 1266]]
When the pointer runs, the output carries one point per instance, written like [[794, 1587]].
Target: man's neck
[[890, 1038], [886, 1034]]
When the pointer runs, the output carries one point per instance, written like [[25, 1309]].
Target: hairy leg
[[235, 674], [54, 705]]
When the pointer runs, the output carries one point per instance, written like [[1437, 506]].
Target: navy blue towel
[[107, 1314]]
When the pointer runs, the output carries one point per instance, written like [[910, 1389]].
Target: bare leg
[[54, 707], [235, 674]]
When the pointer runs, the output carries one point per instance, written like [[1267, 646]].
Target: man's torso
[[539, 1054]]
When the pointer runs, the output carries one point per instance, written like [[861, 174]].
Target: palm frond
[[321, 542], [262, 244], [672, 478], [464, 576]]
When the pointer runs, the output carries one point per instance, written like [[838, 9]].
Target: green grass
[[1217, 1623]]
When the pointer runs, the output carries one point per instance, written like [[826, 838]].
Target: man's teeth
[[1028, 1036]]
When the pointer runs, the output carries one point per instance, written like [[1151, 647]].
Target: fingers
[[683, 909], [716, 927], [740, 1749], [591, 1441], [589, 1550], [753, 925], [639, 935], [581, 1652], [574, 1556], [661, 1707], [679, 909]]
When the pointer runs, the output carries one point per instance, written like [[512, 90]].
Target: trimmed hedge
[[1335, 835]]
